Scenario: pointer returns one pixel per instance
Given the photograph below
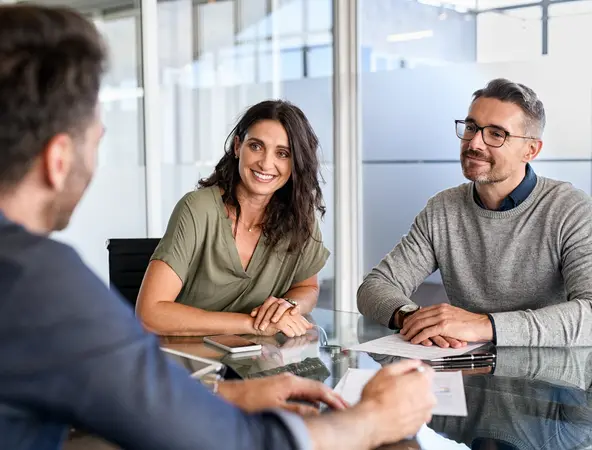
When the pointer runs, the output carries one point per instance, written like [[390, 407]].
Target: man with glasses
[[514, 249]]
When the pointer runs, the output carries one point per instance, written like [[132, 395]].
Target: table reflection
[[534, 398]]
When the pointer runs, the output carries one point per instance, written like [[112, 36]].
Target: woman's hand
[[271, 311], [290, 325]]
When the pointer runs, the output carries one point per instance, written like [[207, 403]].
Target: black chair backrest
[[128, 261]]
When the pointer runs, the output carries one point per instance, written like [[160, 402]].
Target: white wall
[[113, 207]]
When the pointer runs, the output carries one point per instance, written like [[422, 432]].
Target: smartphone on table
[[232, 343]]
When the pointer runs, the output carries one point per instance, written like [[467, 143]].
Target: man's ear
[[534, 148], [58, 158]]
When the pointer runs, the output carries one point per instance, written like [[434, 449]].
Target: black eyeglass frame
[[482, 129]]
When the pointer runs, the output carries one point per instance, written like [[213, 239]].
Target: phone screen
[[232, 341]]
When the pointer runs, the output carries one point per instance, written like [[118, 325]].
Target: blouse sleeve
[[177, 246]]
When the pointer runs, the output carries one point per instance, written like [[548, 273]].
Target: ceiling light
[[412, 36]]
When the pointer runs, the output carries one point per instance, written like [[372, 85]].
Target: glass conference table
[[536, 398]]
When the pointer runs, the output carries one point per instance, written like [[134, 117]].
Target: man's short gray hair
[[520, 95]]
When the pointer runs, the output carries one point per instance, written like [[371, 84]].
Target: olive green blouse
[[199, 246]]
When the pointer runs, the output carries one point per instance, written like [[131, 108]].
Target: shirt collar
[[518, 195], [525, 187]]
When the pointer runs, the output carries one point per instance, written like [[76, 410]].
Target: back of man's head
[[51, 64]]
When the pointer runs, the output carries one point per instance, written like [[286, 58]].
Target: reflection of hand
[[270, 341], [270, 357], [311, 335], [290, 325], [441, 320], [271, 311], [401, 400], [276, 392]]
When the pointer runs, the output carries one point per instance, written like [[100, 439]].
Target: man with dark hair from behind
[[72, 352]]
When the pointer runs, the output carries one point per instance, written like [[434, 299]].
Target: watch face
[[408, 308]]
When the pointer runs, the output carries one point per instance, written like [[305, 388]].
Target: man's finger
[[427, 343], [427, 333], [420, 325], [428, 311], [313, 391], [455, 343], [254, 312], [301, 409], [418, 317], [440, 341]]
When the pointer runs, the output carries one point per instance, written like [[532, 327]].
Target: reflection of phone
[[232, 343], [198, 367], [242, 355]]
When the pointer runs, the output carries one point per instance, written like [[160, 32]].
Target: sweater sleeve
[[568, 323], [390, 284]]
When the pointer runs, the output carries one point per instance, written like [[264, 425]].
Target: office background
[[182, 72]]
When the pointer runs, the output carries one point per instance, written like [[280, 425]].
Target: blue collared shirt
[[517, 196]]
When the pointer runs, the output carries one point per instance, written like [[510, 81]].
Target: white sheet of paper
[[395, 345], [448, 388], [428, 439]]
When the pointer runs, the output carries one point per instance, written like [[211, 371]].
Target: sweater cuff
[[494, 340], [391, 323]]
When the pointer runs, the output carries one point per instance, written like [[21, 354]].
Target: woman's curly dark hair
[[291, 211]]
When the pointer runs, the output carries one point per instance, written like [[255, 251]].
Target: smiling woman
[[241, 254]]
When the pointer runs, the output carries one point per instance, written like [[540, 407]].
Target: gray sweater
[[531, 267]]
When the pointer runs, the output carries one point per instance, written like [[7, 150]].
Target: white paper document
[[428, 439], [448, 388], [395, 345]]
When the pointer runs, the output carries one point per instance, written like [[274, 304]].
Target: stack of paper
[[448, 388], [395, 345]]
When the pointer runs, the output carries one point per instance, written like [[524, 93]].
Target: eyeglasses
[[492, 136]]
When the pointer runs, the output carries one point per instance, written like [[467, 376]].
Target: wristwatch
[[403, 312], [291, 301]]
